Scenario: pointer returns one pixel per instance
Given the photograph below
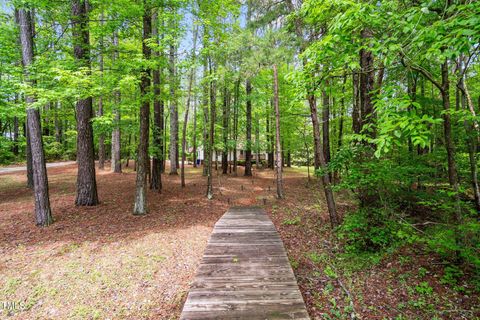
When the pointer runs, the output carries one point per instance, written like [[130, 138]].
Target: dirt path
[[24, 168]]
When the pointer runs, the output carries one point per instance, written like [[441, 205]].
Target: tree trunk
[[211, 135], [173, 114], [326, 126], [225, 131], [116, 138], [101, 137], [278, 151], [447, 126], [342, 110], [156, 180], [140, 206], [43, 215], [86, 182], [317, 147], [194, 137], [206, 156], [472, 156], [189, 94], [235, 125], [248, 147]]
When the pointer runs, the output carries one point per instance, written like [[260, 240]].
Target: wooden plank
[[244, 273]]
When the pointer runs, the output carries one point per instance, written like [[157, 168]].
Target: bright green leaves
[[400, 120]]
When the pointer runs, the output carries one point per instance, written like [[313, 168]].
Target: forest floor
[[104, 263]]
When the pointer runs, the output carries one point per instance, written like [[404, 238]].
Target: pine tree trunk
[[189, 95], [28, 154], [248, 147], [235, 126], [211, 136], [101, 137], [116, 138], [194, 137], [140, 206], [156, 180], [43, 215], [278, 160], [225, 131], [173, 114], [86, 182], [206, 155]]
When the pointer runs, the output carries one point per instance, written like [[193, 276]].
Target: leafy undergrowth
[[104, 263], [403, 283]]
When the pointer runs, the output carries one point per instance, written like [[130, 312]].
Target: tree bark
[[156, 180], [194, 137], [278, 151], [43, 215], [140, 206], [235, 125], [189, 94], [101, 137], [206, 156], [248, 147], [213, 90], [472, 155], [116, 163], [225, 116], [86, 181], [173, 114]]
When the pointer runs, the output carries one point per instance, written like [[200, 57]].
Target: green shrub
[[6, 154], [371, 230]]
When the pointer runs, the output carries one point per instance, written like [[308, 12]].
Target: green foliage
[[6, 154], [424, 288], [372, 230], [292, 222]]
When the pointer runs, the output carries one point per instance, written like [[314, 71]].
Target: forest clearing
[[239, 159], [104, 263]]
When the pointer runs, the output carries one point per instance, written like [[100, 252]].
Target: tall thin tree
[[116, 138], [140, 205], [43, 215], [86, 181], [191, 81], [157, 162], [278, 149]]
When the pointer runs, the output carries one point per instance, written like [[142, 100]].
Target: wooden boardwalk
[[245, 272]]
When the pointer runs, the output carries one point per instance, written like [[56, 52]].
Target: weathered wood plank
[[244, 273]]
